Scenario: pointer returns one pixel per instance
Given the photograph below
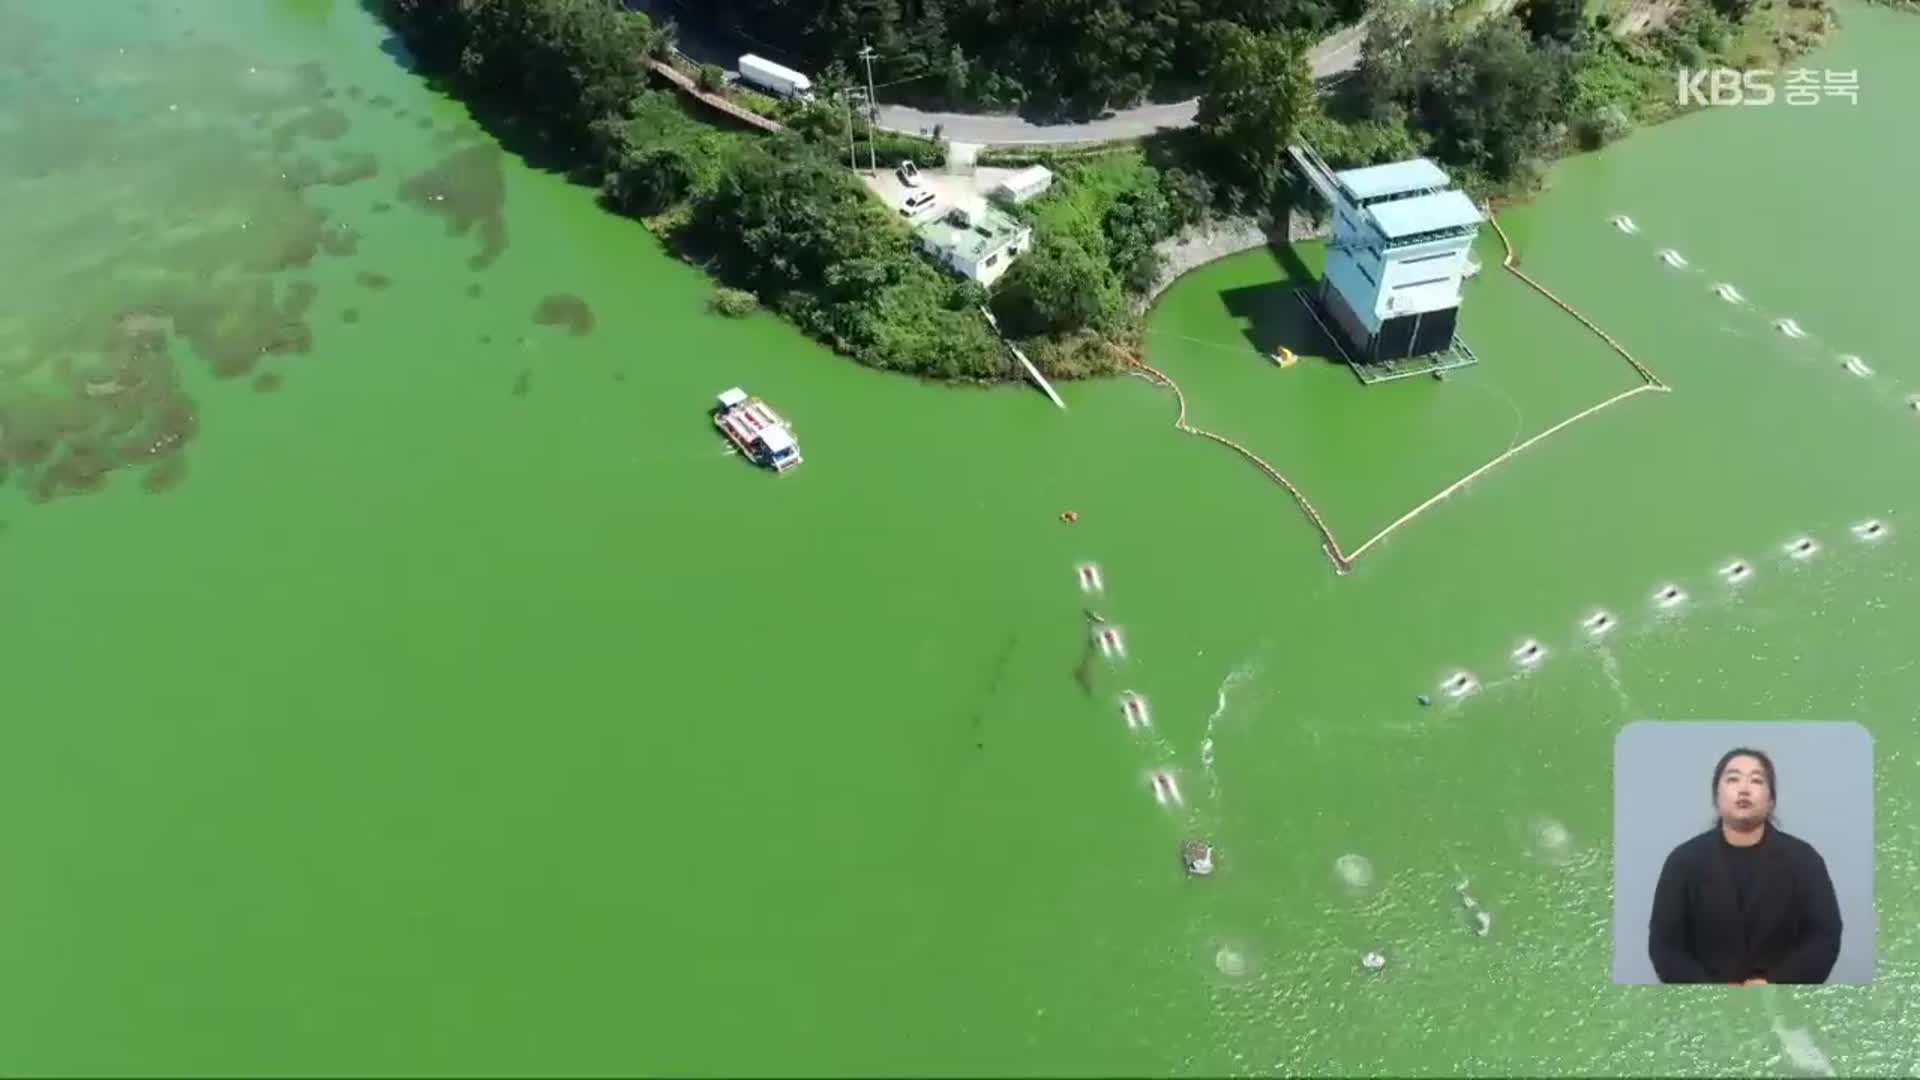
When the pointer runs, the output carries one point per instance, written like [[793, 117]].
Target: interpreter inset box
[[1743, 853]]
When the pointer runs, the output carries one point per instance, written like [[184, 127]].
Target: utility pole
[[873, 108], [846, 99]]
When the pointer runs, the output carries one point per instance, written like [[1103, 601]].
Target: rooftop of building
[[1032, 174], [1381, 181], [988, 230], [1425, 214]]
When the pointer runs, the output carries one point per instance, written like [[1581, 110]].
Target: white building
[[974, 240], [1023, 185], [1396, 258]]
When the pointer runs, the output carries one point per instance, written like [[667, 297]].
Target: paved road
[[1336, 55]]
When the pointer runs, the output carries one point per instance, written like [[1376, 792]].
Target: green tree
[[1493, 102], [649, 180], [1404, 42], [1258, 91], [1137, 220], [1189, 195], [955, 75], [1564, 21], [1057, 287], [711, 79]]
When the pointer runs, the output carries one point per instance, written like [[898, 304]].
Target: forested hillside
[[1080, 54]]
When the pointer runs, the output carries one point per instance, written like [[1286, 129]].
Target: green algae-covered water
[[401, 679]]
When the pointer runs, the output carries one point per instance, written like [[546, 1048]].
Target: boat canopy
[[732, 397]]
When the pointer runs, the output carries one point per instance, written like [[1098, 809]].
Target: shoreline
[[1221, 238]]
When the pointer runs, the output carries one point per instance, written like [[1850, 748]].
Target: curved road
[[1336, 55]]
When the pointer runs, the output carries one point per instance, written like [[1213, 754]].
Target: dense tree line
[[1081, 55], [1496, 100]]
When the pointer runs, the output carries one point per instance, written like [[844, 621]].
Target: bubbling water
[[1669, 597], [1529, 653], [1870, 530], [1736, 572], [1673, 258], [1551, 841], [1730, 294], [1856, 366], [1789, 328], [1354, 871], [1231, 962], [1803, 548], [1625, 224], [1597, 624]]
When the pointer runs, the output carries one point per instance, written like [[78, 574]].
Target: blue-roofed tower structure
[[1399, 251]]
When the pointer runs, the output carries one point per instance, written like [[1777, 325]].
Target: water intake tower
[[1399, 251]]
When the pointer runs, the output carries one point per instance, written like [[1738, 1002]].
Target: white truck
[[770, 76]]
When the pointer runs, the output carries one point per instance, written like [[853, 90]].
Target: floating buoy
[[1069, 517]]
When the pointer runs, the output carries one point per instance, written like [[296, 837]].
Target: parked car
[[909, 173], [915, 203]]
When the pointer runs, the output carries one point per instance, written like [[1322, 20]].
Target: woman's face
[[1743, 797]]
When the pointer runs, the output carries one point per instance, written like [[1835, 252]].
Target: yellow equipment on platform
[[1285, 357]]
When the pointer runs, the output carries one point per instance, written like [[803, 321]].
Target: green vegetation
[[1497, 99], [1093, 249], [1258, 90], [1045, 56], [733, 303]]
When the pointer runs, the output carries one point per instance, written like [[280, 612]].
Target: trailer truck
[[768, 75]]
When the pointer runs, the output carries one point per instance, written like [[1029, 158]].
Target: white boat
[[756, 430]]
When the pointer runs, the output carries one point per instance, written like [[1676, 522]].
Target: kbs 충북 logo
[[1733, 86]]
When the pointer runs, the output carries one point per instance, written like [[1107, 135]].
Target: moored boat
[[758, 432]]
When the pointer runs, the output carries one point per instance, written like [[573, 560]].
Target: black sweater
[[1726, 914]]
